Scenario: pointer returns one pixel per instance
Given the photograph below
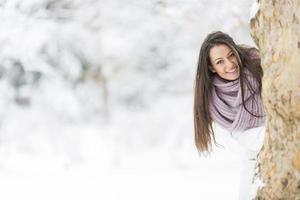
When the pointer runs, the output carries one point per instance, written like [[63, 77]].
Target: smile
[[233, 70]]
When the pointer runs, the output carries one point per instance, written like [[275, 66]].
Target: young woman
[[228, 100]]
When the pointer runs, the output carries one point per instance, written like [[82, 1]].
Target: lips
[[232, 70]]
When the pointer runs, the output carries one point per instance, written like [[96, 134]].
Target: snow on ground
[[84, 163], [123, 185]]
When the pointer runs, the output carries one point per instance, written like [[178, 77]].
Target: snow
[[253, 10], [118, 185], [97, 98], [80, 161]]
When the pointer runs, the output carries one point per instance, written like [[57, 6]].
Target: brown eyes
[[221, 61]]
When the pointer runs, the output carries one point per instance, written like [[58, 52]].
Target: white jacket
[[246, 144]]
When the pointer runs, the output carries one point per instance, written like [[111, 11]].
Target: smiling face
[[224, 62]]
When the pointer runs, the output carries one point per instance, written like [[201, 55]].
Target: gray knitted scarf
[[226, 107]]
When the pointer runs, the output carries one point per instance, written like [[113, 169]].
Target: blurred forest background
[[96, 86]]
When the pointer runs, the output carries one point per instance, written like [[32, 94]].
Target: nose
[[230, 65]]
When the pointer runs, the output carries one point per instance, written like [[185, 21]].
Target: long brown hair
[[247, 57]]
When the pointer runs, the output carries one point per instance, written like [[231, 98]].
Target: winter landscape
[[97, 99]]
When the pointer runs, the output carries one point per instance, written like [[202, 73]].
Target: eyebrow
[[227, 55]]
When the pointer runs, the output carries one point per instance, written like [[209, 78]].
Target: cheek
[[214, 69], [219, 69], [235, 60], [220, 72]]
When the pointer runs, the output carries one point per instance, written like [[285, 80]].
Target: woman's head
[[219, 56], [224, 62]]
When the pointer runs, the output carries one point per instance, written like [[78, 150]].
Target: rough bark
[[276, 31]]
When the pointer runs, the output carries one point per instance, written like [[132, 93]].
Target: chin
[[233, 77], [230, 78]]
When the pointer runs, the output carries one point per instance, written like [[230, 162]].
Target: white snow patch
[[253, 10]]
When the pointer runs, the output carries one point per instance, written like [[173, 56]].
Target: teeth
[[232, 70]]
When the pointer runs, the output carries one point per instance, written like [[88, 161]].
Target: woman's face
[[224, 62]]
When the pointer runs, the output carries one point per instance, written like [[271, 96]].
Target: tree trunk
[[276, 31]]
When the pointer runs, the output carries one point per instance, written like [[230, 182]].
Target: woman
[[228, 100]]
